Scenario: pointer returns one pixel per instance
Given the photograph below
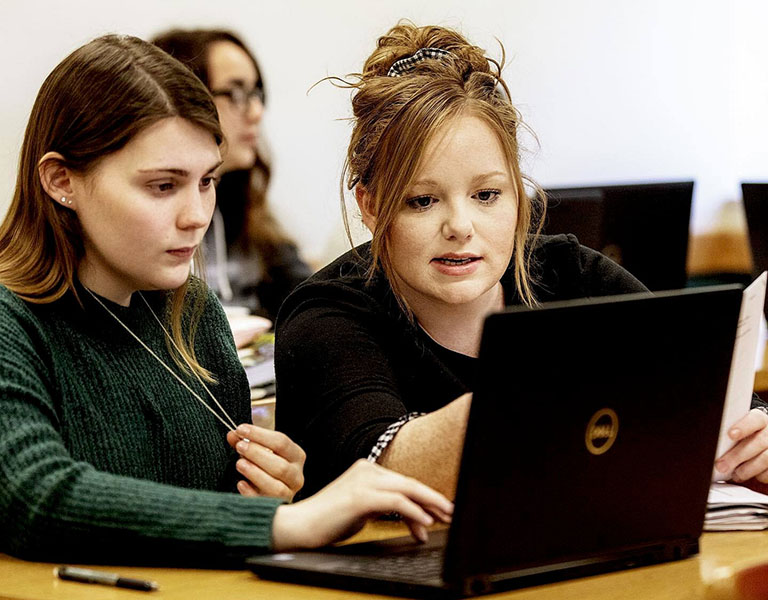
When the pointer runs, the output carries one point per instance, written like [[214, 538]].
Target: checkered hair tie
[[407, 64]]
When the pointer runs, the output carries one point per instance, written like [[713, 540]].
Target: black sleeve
[[758, 402], [336, 388], [603, 277], [565, 270]]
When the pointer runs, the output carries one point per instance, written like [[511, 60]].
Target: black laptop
[[755, 196], [589, 448], [643, 226]]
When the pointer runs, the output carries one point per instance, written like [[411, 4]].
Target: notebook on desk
[[589, 448]]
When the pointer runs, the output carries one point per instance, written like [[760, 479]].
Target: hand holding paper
[[752, 436]]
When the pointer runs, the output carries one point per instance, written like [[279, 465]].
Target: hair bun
[[405, 40]]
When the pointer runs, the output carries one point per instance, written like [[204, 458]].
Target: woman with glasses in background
[[250, 261]]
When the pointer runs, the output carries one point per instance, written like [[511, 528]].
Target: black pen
[[104, 578]]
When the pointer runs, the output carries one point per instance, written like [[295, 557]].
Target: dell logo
[[602, 430]]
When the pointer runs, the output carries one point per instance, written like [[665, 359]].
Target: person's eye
[[239, 96], [487, 196], [258, 91], [162, 187], [209, 181], [421, 202]]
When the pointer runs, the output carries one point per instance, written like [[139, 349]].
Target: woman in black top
[[376, 354]]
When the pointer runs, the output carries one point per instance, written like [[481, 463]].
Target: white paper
[[741, 381], [735, 508], [729, 494], [261, 373]]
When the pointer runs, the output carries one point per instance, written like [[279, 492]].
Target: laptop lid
[[589, 447], [592, 434], [755, 197], [643, 227], [580, 211]]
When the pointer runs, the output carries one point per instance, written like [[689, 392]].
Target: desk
[[21, 580]]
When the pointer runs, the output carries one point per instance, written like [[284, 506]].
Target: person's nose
[[254, 110], [457, 224], [197, 209]]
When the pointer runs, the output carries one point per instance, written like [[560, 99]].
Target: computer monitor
[[643, 227]]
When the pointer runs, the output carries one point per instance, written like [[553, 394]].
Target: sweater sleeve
[[53, 507], [336, 387]]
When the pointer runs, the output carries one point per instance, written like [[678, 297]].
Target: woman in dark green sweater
[[120, 388]]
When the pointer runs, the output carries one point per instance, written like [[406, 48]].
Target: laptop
[[589, 448], [755, 196], [619, 220], [580, 211]]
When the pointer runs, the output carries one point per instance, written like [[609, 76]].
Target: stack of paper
[[735, 508]]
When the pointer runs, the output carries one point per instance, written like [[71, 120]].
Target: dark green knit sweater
[[103, 455]]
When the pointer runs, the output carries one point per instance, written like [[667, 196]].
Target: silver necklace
[[231, 425]]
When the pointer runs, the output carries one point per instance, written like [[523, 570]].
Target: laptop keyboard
[[427, 564]]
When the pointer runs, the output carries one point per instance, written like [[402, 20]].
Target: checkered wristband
[[388, 435]]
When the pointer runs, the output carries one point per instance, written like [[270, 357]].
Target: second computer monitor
[[756, 208], [643, 227]]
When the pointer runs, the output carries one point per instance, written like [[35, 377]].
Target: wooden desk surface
[[20, 580]]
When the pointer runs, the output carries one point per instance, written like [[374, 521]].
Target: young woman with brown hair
[[120, 388], [376, 354]]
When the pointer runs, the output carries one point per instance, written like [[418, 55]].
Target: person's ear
[[364, 201], [56, 179]]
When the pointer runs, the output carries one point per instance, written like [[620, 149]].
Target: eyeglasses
[[240, 98]]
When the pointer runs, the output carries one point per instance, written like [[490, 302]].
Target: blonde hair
[[396, 117], [91, 105]]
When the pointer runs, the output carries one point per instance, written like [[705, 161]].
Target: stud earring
[[63, 200]]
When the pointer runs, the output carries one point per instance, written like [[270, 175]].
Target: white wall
[[625, 90], [750, 91]]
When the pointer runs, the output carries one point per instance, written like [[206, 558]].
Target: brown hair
[[244, 192], [396, 117], [91, 105]]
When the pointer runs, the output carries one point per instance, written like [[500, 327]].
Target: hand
[[271, 463], [363, 491], [749, 457]]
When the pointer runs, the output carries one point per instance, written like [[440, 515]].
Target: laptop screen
[[755, 197], [593, 429], [643, 227]]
